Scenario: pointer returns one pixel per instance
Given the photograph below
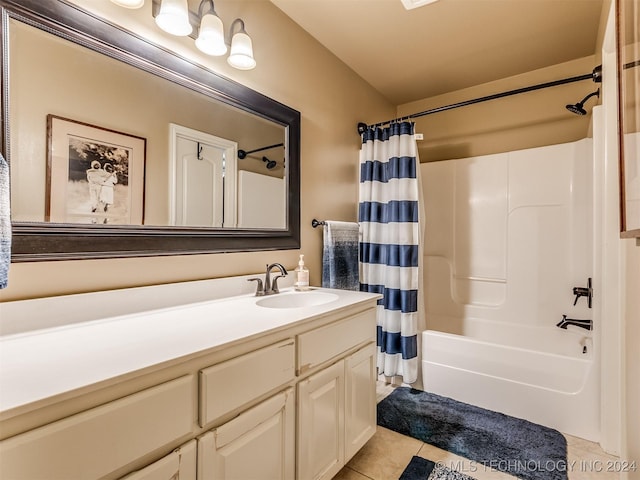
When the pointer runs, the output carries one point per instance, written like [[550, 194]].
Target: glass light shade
[[211, 36], [129, 3], [241, 56], [173, 17]]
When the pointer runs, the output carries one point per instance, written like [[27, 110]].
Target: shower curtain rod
[[243, 153], [595, 75]]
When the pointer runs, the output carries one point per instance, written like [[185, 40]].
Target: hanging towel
[[5, 223], [340, 255]]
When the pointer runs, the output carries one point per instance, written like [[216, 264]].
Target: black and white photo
[[96, 175]]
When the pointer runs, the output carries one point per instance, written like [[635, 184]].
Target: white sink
[[297, 299]]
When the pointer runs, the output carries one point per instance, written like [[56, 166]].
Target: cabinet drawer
[[179, 464], [94, 443], [229, 385], [322, 344]]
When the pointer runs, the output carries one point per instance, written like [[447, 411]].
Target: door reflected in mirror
[[188, 180]]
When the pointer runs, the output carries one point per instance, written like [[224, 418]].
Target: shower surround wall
[[508, 236]]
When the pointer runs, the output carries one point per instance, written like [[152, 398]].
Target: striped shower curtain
[[389, 248]]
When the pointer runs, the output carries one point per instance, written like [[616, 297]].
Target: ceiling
[[448, 45]]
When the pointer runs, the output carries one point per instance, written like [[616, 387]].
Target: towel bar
[[315, 223]]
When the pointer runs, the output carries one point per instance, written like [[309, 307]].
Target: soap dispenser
[[301, 276]]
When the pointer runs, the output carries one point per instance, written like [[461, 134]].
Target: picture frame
[[628, 75], [95, 175]]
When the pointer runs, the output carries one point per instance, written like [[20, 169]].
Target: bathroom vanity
[[234, 387]]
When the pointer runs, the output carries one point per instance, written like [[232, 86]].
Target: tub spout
[[565, 322]]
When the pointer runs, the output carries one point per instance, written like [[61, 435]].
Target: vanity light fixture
[[174, 17], [129, 3]]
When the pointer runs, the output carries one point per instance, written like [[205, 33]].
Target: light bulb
[[173, 17], [211, 36], [129, 3], [241, 56]]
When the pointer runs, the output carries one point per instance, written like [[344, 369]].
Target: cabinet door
[[360, 399], [178, 465], [259, 444], [321, 424]]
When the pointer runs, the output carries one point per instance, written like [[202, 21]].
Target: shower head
[[270, 163], [578, 108]]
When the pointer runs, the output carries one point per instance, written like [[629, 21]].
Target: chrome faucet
[[565, 322], [269, 286]]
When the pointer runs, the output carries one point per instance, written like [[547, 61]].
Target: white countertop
[[39, 364]]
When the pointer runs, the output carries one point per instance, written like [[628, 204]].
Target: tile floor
[[387, 454]]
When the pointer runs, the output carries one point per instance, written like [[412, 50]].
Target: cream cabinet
[[297, 403], [329, 342], [178, 465], [229, 385], [99, 441], [360, 399], [336, 414], [321, 424], [259, 444]]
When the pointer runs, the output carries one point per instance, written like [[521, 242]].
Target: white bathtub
[[555, 384], [501, 257]]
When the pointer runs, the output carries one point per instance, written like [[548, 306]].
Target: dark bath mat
[[422, 469], [494, 440]]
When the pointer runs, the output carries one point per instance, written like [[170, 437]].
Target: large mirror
[[117, 147]]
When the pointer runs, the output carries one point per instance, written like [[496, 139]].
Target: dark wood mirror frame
[[45, 242], [624, 9]]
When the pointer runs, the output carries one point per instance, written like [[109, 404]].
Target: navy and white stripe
[[389, 250]]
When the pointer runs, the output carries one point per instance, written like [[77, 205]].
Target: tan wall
[[292, 69]]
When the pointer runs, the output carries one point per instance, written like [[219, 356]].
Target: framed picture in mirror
[[94, 175], [628, 53]]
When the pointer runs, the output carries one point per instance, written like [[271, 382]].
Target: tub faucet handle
[[584, 292]]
